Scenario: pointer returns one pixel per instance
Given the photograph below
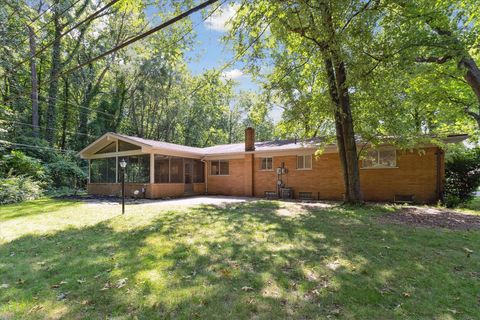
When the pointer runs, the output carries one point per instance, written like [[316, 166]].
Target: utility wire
[[143, 35], [34, 147], [48, 128], [87, 19], [49, 21], [26, 94]]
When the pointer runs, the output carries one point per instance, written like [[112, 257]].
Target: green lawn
[[257, 260]]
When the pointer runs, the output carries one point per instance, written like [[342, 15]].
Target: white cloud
[[233, 74], [221, 19]]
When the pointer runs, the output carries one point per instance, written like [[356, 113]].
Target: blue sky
[[211, 52]]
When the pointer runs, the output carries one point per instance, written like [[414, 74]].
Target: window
[[304, 162], [137, 170], [219, 168], [266, 164], [384, 158], [102, 170]]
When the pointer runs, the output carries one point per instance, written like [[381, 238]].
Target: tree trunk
[[54, 72], [337, 78], [472, 76], [34, 80], [354, 194], [66, 115], [338, 123]]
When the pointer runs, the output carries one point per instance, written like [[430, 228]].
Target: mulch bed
[[434, 218]]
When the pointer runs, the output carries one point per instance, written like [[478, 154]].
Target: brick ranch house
[[286, 168]]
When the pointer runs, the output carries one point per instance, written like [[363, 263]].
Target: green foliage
[[462, 177], [16, 163], [64, 171], [20, 188]]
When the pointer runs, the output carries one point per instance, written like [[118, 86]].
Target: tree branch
[[433, 59]]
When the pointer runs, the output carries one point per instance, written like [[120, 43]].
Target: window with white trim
[[381, 158], [304, 162], [266, 164], [219, 168]]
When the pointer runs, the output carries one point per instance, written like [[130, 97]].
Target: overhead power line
[[48, 128], [132, 40], [89, 18], [49, 21], [9, 143], [143, 35]]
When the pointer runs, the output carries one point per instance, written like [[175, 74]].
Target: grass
[[256, 260], [473, 205]]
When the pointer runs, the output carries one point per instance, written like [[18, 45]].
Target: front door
[[188, 169]]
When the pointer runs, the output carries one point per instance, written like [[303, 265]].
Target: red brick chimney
[[249, 139]]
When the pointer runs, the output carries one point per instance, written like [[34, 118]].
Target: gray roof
[[238, 148], [275, 145]]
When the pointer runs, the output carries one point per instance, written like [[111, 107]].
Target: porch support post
[[152, 168], [116, 161]]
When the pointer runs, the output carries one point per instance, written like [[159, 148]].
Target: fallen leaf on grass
[[4, 285], [20, 281], [56, 286], [225, 272], [468, 251], [121, 283], [106, 286], [62, 296], [35, 308], [407, 294]]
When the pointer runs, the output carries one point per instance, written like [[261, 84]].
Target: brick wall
[[415, 175], [233, 184]]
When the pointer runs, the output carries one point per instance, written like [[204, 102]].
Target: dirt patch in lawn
[[434, 218]]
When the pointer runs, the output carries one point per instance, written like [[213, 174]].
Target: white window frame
[[379, 166], [219, 168], [266, 162], [303, 162]]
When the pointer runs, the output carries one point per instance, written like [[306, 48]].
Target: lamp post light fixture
[[123, 165]]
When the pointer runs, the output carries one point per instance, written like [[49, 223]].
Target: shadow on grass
[[241, 261], [30, 208]]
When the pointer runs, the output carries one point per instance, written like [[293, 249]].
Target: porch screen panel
[[198, 171], [102, 170], [138, 169], [161, 169], [176, 170]]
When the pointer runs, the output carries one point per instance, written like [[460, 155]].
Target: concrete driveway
[[182, 202]]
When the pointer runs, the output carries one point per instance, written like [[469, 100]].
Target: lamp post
[[123, 165]]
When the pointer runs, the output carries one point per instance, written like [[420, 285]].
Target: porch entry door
[[188, 175]]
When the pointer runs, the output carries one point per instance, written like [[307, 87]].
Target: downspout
[[206, 175]]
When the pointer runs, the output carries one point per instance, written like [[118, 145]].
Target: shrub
[[17, 189], [65, 172], [462, 177], [19, 164]]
